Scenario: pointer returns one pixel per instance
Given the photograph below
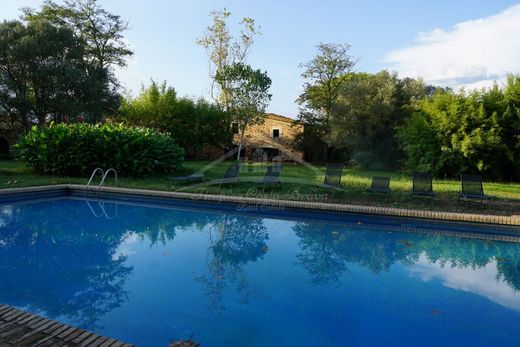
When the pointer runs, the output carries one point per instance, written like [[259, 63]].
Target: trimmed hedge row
[[77, 149]]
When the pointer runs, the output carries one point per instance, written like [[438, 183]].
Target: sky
[[463, 43], [480, 281]]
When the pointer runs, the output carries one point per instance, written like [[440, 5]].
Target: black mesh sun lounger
[[422, 184], [380, 184]]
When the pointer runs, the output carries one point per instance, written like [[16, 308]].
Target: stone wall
[[264, 136], [207, 152]]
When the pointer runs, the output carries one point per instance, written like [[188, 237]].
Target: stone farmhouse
[[275, 138]]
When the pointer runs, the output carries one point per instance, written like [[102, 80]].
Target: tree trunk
[[325, 152], [240, 144]]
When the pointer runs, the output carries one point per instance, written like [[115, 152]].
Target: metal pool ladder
[[104, 175], [101, 205]]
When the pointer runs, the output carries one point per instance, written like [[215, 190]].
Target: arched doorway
[[4, 148]]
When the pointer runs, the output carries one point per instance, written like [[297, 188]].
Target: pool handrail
[[96, 170], [105, 176]]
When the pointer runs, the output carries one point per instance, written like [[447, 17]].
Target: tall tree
[[248, 95], [102, 35], [223, 50], [324, 74], [101, 30], [44, 76], [364, 118]]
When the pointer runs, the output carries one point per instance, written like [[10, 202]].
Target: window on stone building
[[276, 133]]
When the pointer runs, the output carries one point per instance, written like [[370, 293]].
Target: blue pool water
[[148, 274]]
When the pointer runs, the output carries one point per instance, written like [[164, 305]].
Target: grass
[[506, 202]]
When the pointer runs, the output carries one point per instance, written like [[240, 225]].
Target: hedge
[[77, 149]]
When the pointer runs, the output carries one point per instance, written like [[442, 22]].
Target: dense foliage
[[77, 149], [380, 121], [324, 75], [451, 133], [40, 83], [248, 95], [361, 120], [100, 30], [366, 115], [56, 64], [192, 124]]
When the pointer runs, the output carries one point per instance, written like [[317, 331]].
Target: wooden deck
[[20, 328]]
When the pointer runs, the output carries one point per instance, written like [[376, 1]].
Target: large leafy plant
[[76, 149]]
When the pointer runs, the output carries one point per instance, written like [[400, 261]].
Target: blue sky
[[457, 43]]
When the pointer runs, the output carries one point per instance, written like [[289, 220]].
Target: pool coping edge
[[305, 205]]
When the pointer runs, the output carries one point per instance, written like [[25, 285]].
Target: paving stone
[[20, 328]]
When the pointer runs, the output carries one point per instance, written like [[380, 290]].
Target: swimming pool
[[147, 271]]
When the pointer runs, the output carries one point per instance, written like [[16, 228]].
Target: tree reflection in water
[[57, 260], [326, 250], [234, 242], [57, 270], [318, 255]]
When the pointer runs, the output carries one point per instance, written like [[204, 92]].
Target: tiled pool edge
[[316, 206], [20, 328]]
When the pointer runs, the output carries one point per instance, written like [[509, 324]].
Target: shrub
[[193, 124], [77, 149]]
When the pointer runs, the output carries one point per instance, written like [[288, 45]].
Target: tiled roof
[[281, 118]]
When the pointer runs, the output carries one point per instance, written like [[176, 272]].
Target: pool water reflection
[[150, 274]]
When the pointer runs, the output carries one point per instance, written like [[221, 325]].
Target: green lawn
[[16, 174]]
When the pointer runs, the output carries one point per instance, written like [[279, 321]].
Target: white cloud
[[481, 281], [131, 76], [472, 54]]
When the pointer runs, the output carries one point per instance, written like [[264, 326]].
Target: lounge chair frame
[[195, 177], [422, 184], [272, 175], [472, 188], [231, 175], [380, 184], [333, 175]]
